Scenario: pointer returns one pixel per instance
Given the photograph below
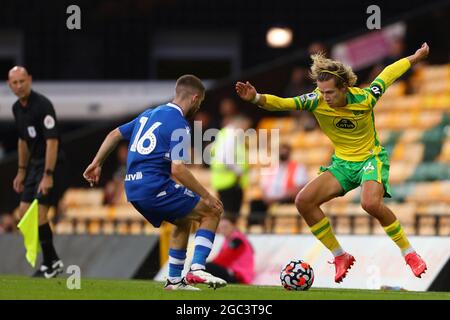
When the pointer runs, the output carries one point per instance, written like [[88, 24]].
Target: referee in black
[[39, 173]]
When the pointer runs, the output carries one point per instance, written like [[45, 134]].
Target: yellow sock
[[396, 233], [323, 232]]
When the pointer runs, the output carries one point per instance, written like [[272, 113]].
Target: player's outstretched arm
[[93, 171], [182, 174], [247, 92], [394, 71]]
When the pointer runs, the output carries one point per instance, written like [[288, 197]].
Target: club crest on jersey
[[345, 124], [31, 132], [368, 168]]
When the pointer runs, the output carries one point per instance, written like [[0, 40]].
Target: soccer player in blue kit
[[159, 143]]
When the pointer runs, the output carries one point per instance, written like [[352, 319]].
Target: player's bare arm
[[394, 71], [93, 171], [182, 174], [51, 154], [24, 156]]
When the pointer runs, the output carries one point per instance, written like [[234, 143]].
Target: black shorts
[[232, 199], [35, 171]]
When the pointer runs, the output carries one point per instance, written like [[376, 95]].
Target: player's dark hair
[[189, 83]]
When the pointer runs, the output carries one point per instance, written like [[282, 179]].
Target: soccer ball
[[297, 275]]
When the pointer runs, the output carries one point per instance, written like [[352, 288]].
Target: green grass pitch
[[18, 287]]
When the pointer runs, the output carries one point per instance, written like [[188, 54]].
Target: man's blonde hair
[[324, 69]]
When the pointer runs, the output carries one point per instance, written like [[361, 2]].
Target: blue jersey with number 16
[[157, 137]]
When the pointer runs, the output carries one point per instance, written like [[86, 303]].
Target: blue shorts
[[173, 203]]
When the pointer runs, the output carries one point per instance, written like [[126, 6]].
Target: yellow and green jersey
[[351, 128]]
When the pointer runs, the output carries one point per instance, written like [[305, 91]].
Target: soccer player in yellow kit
[[345, 114]]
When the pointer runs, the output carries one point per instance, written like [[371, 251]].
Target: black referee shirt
[[36, 122]]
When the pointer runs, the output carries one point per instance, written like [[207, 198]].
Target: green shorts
[[352, 174]]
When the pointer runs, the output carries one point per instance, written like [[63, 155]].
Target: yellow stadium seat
[[411, 135], [284, 124], [289, 225], [93, 227], [344, 208], [305, 140], [405, 213], [435, 87], [255, 229], [433, 73], [400, 171], [426, 226], [439, 213], [108, 227], [399, 104], [444, 226], [283, 210], [312, 156], [86, 212], [414, 119], [149, 229], [81, 228], [435, 208], [436, 191], [397, 89], [83, 197], [137, 227], [64, 226], [444, 156], [410, 152]]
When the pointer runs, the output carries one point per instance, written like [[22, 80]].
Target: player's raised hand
[[423, 51], [245, 91], [92, 173]]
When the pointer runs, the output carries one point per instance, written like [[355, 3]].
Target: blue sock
[[204, 240], [176, 264]]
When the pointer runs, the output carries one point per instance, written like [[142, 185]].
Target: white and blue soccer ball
[[297, 275]]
